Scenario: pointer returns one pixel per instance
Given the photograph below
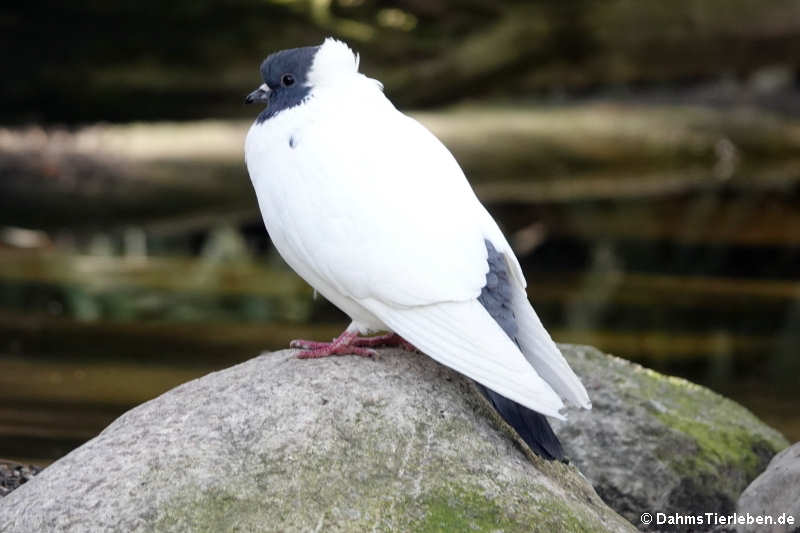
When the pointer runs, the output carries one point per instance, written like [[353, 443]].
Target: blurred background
[[643, 156]]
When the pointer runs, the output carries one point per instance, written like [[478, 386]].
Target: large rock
[[339, 444], [654, 443], [776, 494]]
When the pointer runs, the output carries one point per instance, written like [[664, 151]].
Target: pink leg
[[349, 343]]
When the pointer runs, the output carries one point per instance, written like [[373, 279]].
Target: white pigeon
[[373, 211]]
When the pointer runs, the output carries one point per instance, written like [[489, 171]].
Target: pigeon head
[[291, 76]]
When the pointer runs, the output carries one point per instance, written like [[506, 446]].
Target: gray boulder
[[775, 493], [654, 443], [398, 443]]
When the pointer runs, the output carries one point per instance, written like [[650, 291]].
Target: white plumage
[[374, 212]]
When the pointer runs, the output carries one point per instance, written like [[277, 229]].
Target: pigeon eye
[[287, 80]]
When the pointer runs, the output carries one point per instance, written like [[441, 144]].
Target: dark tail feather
[[533, 427]]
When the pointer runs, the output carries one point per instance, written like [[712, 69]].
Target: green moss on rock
[[661, 443], [459, 509]]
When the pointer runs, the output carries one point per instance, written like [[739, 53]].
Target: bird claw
[[342, 345], [348, 344], [333, 349], [307, 345]]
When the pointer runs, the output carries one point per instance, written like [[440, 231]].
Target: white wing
[[464, 337], [544, 355], [534, 340]]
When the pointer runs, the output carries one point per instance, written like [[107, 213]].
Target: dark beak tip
[[259, 95]]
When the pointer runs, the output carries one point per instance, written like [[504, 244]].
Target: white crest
[[333, 60]]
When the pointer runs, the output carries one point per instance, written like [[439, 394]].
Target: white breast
[[294, 198]]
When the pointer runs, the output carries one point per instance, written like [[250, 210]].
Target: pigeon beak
[[260, 95]]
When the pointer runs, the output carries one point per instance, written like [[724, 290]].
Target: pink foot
[[342, 345], [390, 339], [349, 343]]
